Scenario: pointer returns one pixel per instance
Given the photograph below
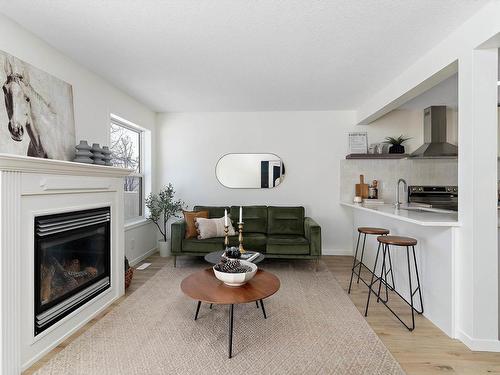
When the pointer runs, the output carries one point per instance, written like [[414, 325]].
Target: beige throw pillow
[[209, 228]]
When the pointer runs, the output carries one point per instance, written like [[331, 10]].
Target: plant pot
[[164, 247], [397, 149]]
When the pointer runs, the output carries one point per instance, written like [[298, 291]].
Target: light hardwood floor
[[426, 350]]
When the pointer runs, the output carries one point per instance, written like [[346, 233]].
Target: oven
[[442, 197]]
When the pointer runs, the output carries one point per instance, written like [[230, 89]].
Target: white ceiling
[[244, 55]]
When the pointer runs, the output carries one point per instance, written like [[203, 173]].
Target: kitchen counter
[[429, 219], [436, 235]]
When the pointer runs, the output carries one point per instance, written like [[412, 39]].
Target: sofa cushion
[[202, 246], [213, 211], [254, 217], [209, 228], [287, 244], [286, 220], [251, 241], [189, 217]]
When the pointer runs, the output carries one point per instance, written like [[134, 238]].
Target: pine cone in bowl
[[234, 272]]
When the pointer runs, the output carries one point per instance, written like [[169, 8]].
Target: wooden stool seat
[[397, 240], [372, 230]]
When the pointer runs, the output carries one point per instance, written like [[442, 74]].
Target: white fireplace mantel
[[30, 187], [27, 164]]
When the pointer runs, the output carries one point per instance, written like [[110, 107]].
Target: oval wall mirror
[[250, 171]]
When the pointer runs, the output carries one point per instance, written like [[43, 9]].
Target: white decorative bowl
[[236, 279]]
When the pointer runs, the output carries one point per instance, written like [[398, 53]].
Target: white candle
[[225, 218], [241, 214]]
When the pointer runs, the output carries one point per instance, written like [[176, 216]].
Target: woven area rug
[[312, 328]]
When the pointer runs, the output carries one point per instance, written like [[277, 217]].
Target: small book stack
[[249, 256], [373, 202]]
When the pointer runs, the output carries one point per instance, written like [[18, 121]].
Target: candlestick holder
[[226, 238], [240, 238]]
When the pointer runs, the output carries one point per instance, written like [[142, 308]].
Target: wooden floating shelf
[[377, 156]]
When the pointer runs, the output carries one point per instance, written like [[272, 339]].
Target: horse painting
[[39, 114]]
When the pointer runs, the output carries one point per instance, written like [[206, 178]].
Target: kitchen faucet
[[405, 187]]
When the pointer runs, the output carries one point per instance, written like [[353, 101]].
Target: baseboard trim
[[336, 252], [479, 345], [140, 258]]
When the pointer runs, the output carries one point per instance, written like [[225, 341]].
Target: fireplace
[[72, 262]]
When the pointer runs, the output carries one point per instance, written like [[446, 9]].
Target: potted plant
[[162, 207], [396, 144]]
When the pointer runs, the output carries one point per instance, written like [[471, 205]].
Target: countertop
[[429, 219]]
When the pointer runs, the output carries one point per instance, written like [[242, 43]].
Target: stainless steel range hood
[[435, 145]]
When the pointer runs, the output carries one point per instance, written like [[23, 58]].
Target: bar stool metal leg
[[390, 269], [411, 290], [382, 274], [386, 269], [372, 282], [361, 260], [421, 311], [354, 263]]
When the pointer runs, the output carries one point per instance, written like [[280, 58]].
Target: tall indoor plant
[[162, 207]]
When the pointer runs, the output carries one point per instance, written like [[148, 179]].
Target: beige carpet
[[312, 328]]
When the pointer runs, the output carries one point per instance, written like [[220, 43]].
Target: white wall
[[476, 249], [311, 144], [93, 99]]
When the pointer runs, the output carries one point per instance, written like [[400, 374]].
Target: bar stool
[[365, 231], [396, 241]]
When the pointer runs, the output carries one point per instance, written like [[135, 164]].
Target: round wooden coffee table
[[203, 286]]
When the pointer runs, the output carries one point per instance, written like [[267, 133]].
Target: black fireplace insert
[[72, 262]]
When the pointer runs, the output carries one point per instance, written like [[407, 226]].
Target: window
[[126, 145]]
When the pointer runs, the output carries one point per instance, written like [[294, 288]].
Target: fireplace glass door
[[72, 262]]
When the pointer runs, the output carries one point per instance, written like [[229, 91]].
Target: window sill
[[136, 223]]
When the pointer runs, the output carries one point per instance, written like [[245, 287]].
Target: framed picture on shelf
[[358, 142]]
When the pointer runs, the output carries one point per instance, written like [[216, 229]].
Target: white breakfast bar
[[436, 235]]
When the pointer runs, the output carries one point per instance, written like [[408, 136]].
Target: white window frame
[[119, 121]]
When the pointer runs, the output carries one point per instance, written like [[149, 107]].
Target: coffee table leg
[[211, 306], [197, 310], [257, 303], [263, 309], [231, 311]]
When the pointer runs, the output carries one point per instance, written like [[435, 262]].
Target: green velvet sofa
[[277, 232]]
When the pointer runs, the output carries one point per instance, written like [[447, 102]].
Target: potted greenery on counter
[[396, 144], [162, 207]]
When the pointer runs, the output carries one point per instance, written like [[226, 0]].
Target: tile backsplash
[[387, 172]]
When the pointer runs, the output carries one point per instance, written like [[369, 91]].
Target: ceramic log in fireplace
[[72, 262]]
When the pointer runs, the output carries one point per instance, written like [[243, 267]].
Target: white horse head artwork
[[39, 112]]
